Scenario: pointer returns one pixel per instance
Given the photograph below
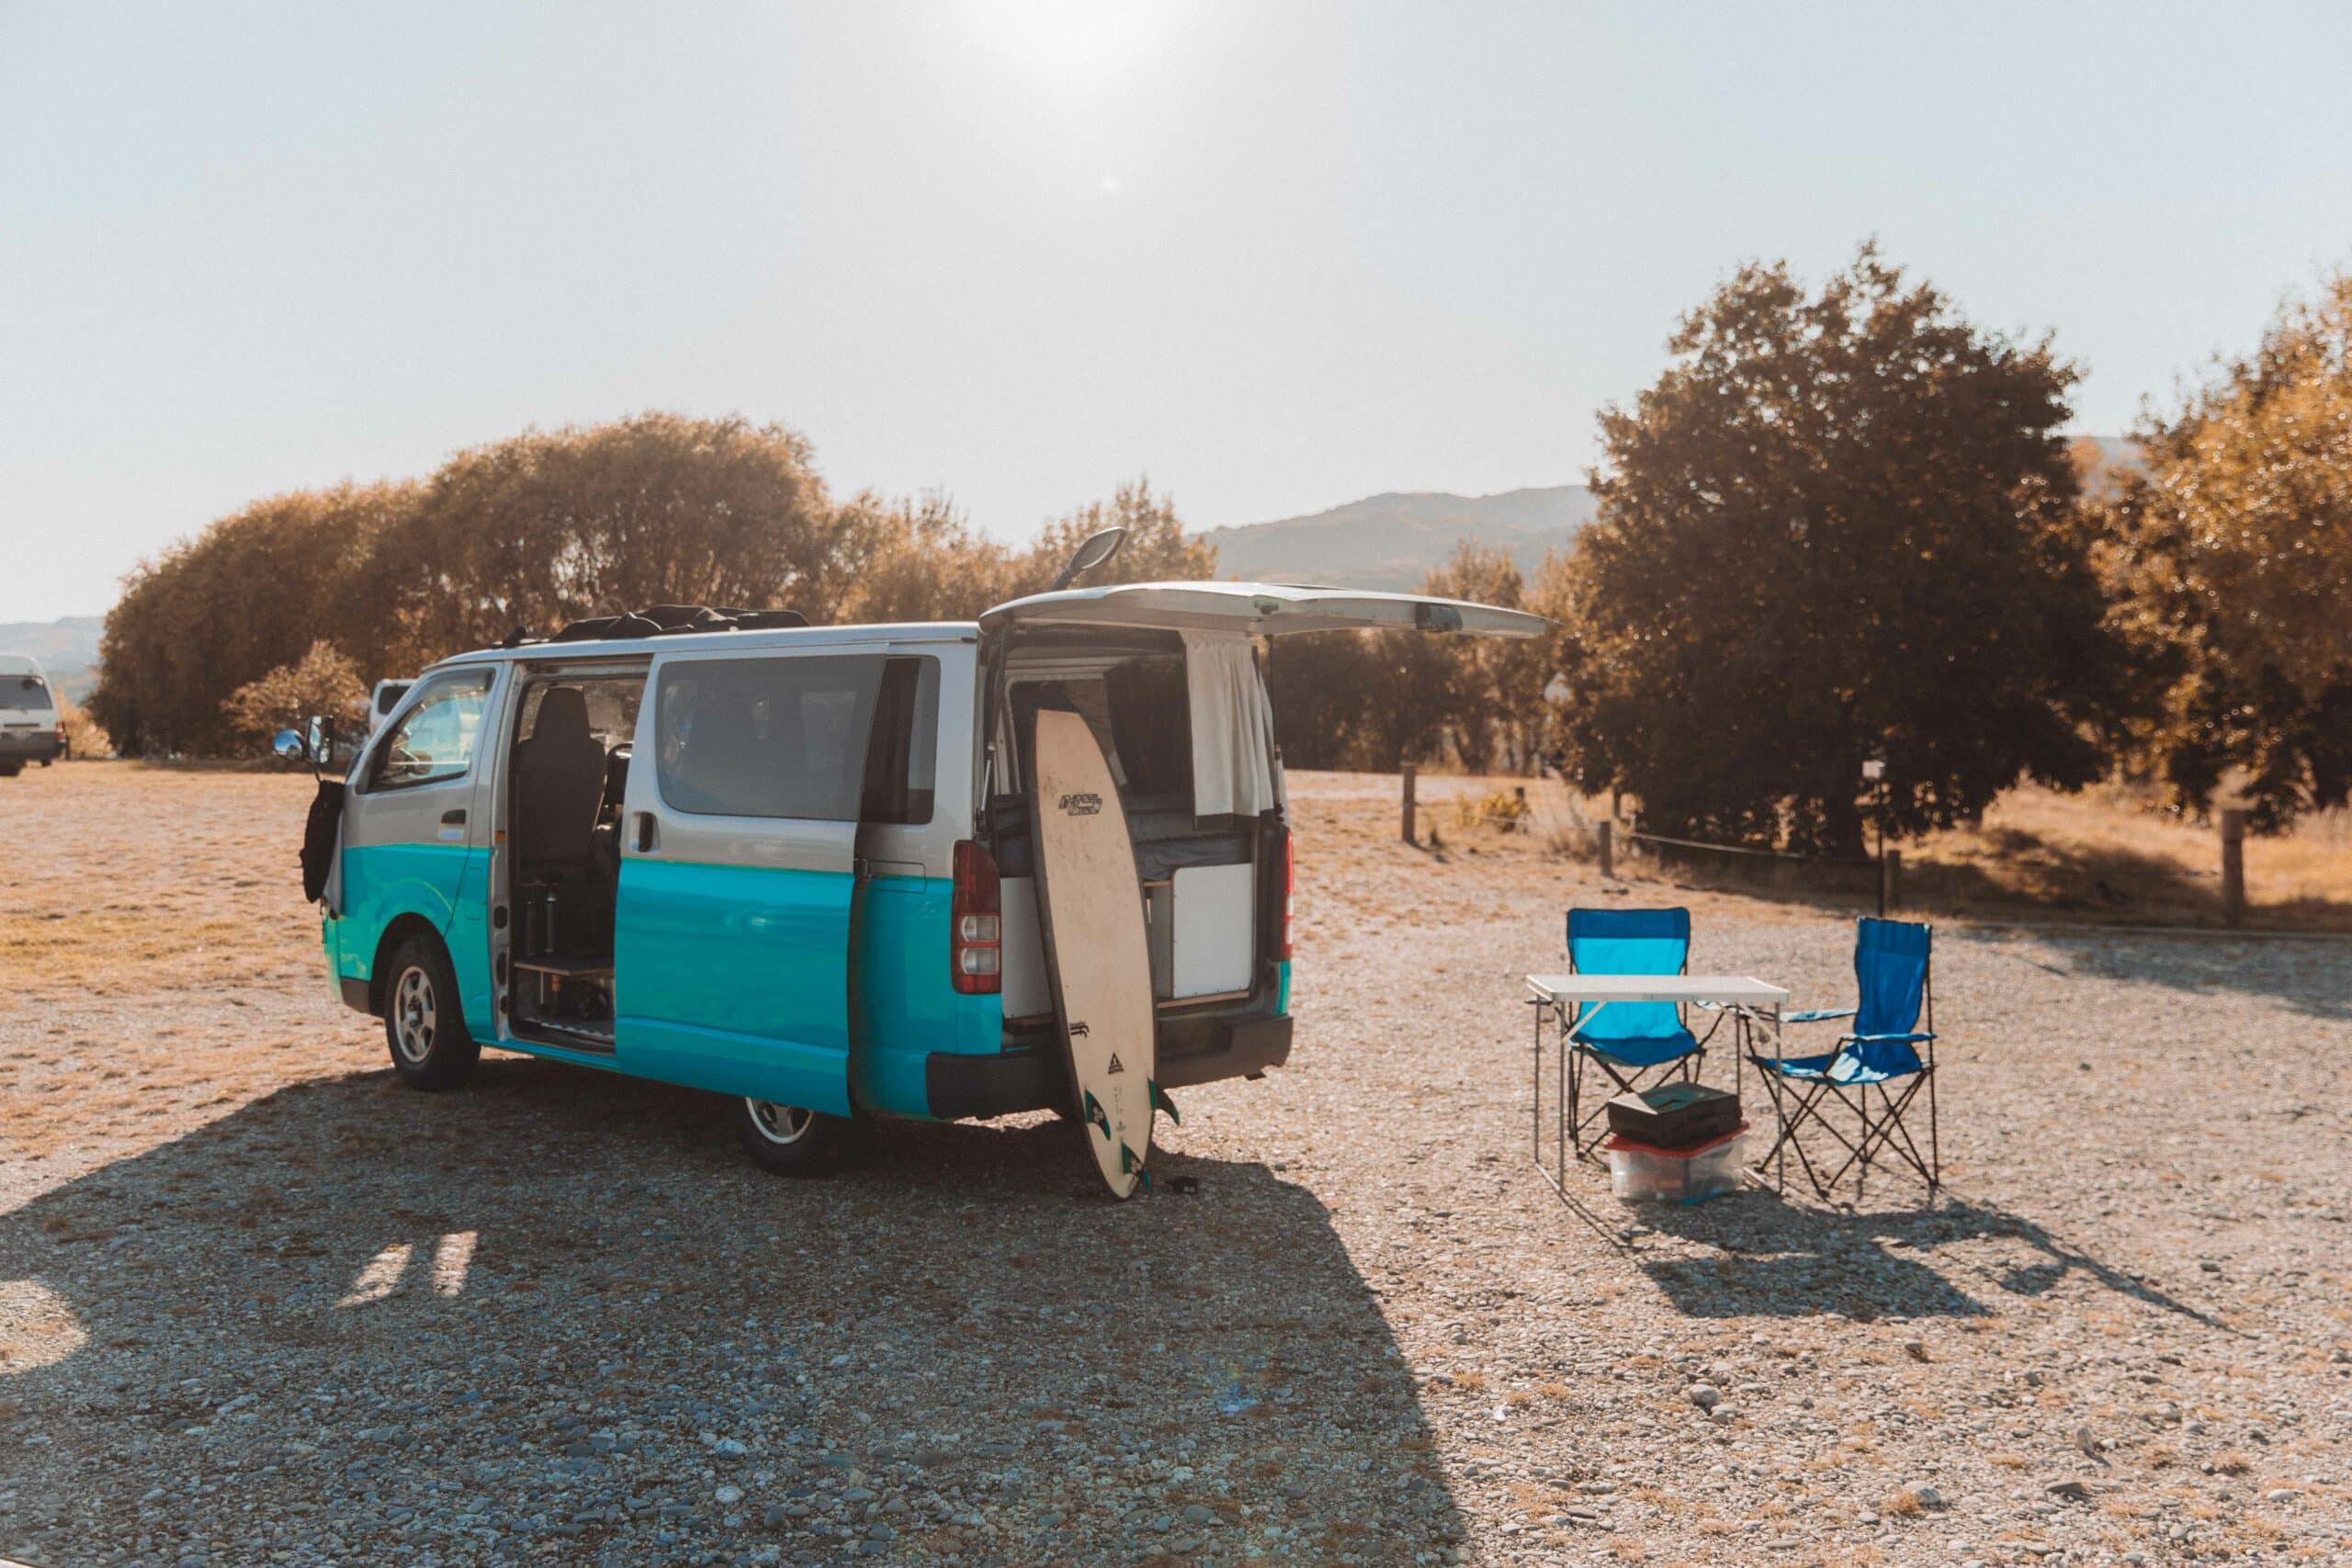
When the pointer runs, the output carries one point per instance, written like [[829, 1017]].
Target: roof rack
[[669, 620]]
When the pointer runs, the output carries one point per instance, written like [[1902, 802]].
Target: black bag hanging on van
[[319, 838]]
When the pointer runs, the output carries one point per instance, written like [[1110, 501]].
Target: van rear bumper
[[30, 746], [1029, 1076]]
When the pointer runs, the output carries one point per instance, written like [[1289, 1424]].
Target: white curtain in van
[[1233, 728]]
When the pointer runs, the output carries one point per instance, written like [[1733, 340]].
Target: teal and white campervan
[[791, 864]]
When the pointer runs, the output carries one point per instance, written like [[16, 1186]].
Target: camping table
[[1556, 996]]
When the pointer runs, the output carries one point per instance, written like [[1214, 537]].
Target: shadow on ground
[[1783, 1259], [539, 1302], [2307, 974]]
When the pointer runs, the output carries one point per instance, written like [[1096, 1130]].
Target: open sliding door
[[731, 943]]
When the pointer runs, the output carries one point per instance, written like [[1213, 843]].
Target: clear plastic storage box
[[1638, 1173]]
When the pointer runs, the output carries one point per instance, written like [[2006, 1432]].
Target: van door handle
[[454, 818], [646, 835]]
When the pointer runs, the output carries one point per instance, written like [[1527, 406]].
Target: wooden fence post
[[1606, 832], [1409, 803], [1890, 879], [2234, 867]]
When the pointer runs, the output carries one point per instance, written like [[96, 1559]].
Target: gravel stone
[[265, 1307]]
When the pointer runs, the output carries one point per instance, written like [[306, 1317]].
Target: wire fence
[[1562, 823], [1608, 841]]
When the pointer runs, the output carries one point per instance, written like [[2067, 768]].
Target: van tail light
[[976, 928], [1289, 888]]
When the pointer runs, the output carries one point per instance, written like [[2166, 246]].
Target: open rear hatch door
[[1257, 609]]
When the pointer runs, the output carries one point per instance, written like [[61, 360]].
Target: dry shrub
[[1903, 1504], [1501, 809], [83, 736], [2231, 1461], [1560, 821]]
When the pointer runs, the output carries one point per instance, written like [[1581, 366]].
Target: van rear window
[[767, 736], [23, 692]]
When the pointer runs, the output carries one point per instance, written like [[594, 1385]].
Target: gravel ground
[[260, 1304]]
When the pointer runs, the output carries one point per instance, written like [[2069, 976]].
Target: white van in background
[[30, 729]]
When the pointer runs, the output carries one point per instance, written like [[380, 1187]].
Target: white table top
[[1721, 988]]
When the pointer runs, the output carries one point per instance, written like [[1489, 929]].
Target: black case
[[1675, 1115]]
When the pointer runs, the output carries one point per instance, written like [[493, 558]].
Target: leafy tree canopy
[[318, 590], [2230, 558], [1841, 524]]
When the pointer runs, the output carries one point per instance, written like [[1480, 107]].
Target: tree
[[920, 560], [322, 682], [1837, 526], [658, 509], [250, 593], [1156, 549], [2230, 555], [1496, 712]]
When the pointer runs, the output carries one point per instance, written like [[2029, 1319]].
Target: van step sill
[[567, 968]]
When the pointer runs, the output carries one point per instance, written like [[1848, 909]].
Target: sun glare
[[1071, 44]]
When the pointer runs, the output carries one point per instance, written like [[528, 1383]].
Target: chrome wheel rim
[[416, 1015], [780, 1124]]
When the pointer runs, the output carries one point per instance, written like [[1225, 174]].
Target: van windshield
[[23, 692]]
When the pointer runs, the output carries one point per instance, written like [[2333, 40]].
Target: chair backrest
[[1629, 941], [1891, 971]]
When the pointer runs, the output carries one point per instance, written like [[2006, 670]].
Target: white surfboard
[[1091, 914]]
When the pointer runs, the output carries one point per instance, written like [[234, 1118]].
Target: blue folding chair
[[1883, 1051], [1627, 1040]]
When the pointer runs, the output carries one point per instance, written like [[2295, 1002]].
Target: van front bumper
[[1030, 1075]]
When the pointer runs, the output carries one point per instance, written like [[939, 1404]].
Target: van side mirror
[[288, 745], [321, 741]]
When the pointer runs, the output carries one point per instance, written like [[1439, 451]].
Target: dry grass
[[2103, 853], [2102, 856]]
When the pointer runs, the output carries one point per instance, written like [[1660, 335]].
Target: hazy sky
[[1277, 255]]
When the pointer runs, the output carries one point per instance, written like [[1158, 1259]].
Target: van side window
[[777, 736], [902, 762], [435, 741]]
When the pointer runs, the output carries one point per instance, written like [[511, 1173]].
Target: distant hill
[[1392, 541], [67, 648]]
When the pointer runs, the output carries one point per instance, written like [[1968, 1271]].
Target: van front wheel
[[431, 1046], [791, 1140]]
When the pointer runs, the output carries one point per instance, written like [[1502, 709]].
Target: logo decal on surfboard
[[1076, 1030], [1117, 1065], [1082, 804]]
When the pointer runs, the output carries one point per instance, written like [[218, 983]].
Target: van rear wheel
[[431, 1046], [792, 1140]]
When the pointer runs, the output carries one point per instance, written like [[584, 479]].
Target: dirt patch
[[259, 1303]]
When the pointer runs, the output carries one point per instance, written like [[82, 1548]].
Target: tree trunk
[[1842, 826]]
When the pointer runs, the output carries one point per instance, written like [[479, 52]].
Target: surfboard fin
[[1129, 1164], [1160, 1102], [1094, 1114]]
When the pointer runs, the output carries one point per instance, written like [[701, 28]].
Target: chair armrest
[[1818, 1015], [1862, 1039]]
